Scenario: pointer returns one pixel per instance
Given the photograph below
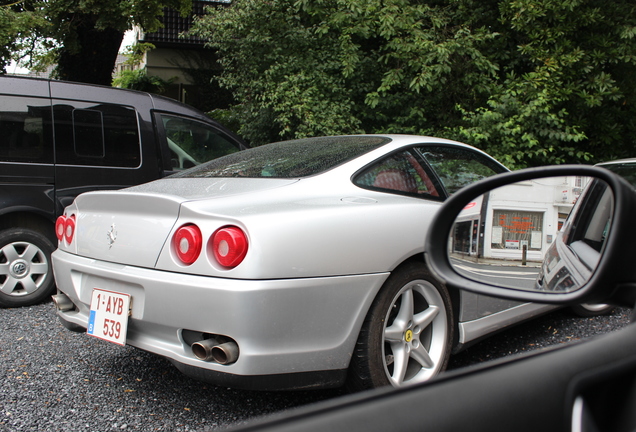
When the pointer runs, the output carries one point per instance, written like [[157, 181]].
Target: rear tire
[[26, 274], [406, 337]]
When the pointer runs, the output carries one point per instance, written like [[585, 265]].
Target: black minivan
[[59, 139]]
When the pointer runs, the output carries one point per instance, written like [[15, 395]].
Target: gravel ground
[[55, 380]]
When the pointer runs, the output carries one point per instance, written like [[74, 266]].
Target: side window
[[88, 133], [457, 167], [192, 142], [25, 125], [96, 134], [399, 172]]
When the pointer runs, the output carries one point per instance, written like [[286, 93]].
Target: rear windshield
[[288, 159]]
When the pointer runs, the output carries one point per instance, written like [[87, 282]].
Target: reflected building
[[516, 222]]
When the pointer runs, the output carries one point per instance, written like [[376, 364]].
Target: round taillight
[[187, 243], [59, 227], [229, 245], [69, 229]]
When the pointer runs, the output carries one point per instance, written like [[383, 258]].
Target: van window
[[25, 125], [96, 135], [193, 142], [88, 133]]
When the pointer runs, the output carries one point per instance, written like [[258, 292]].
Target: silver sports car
[[293, 265]]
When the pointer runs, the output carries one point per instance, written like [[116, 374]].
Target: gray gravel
[[56, 380]]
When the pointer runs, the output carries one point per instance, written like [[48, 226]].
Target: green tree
[[21, 26], [320, 67], [82, 37], [567, 92], [530, 81]]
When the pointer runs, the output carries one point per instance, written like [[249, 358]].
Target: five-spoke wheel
[[415, 336], [406, 337]]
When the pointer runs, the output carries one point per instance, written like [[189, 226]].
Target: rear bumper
[[302, 328]]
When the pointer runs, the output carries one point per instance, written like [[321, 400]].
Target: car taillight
[[59, 227], [65, 228], [187, 243], [229, 246], [69, 229]]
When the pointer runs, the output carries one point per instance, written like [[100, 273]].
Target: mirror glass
[[544, 234]]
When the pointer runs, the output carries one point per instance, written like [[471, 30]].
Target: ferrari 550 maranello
[[293, 265]]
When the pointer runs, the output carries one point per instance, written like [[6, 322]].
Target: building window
[[516, 229]]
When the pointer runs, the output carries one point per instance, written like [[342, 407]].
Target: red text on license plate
[[108, 317]]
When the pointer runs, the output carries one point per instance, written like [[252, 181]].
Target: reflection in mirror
[[545, 234]]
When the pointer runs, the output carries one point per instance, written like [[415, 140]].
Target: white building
[[516, 220]]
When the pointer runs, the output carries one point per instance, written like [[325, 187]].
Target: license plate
[[108, 317]]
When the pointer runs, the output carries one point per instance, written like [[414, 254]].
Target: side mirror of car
[[559, 235]]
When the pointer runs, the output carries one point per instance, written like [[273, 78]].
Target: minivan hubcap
[[23, 268], [19, 268]]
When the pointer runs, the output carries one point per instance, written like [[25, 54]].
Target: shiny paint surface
[[320, 249]]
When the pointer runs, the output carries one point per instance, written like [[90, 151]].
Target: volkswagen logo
[[19, 268]]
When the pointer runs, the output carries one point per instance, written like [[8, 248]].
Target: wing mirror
[[560, 235]]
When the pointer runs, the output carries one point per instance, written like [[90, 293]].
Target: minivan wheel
[[26, 275]]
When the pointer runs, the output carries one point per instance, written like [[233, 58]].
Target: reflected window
[[591, 227], [516, 230], [465, 237]]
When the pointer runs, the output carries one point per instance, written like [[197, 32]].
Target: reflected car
[[293, 265], [571, 260], [560, 267]]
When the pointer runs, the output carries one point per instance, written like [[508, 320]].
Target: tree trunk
[[94, 60]]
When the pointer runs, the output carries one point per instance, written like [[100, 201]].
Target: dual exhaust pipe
[[221, 352]]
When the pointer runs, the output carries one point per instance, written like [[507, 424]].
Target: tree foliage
[[530, 81], [21, 27], [82, 37]]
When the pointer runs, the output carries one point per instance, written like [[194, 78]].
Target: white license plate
[[108, 317]]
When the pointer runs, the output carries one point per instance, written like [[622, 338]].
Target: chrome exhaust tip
[[62, 302], [211, 350], [226, 353]]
